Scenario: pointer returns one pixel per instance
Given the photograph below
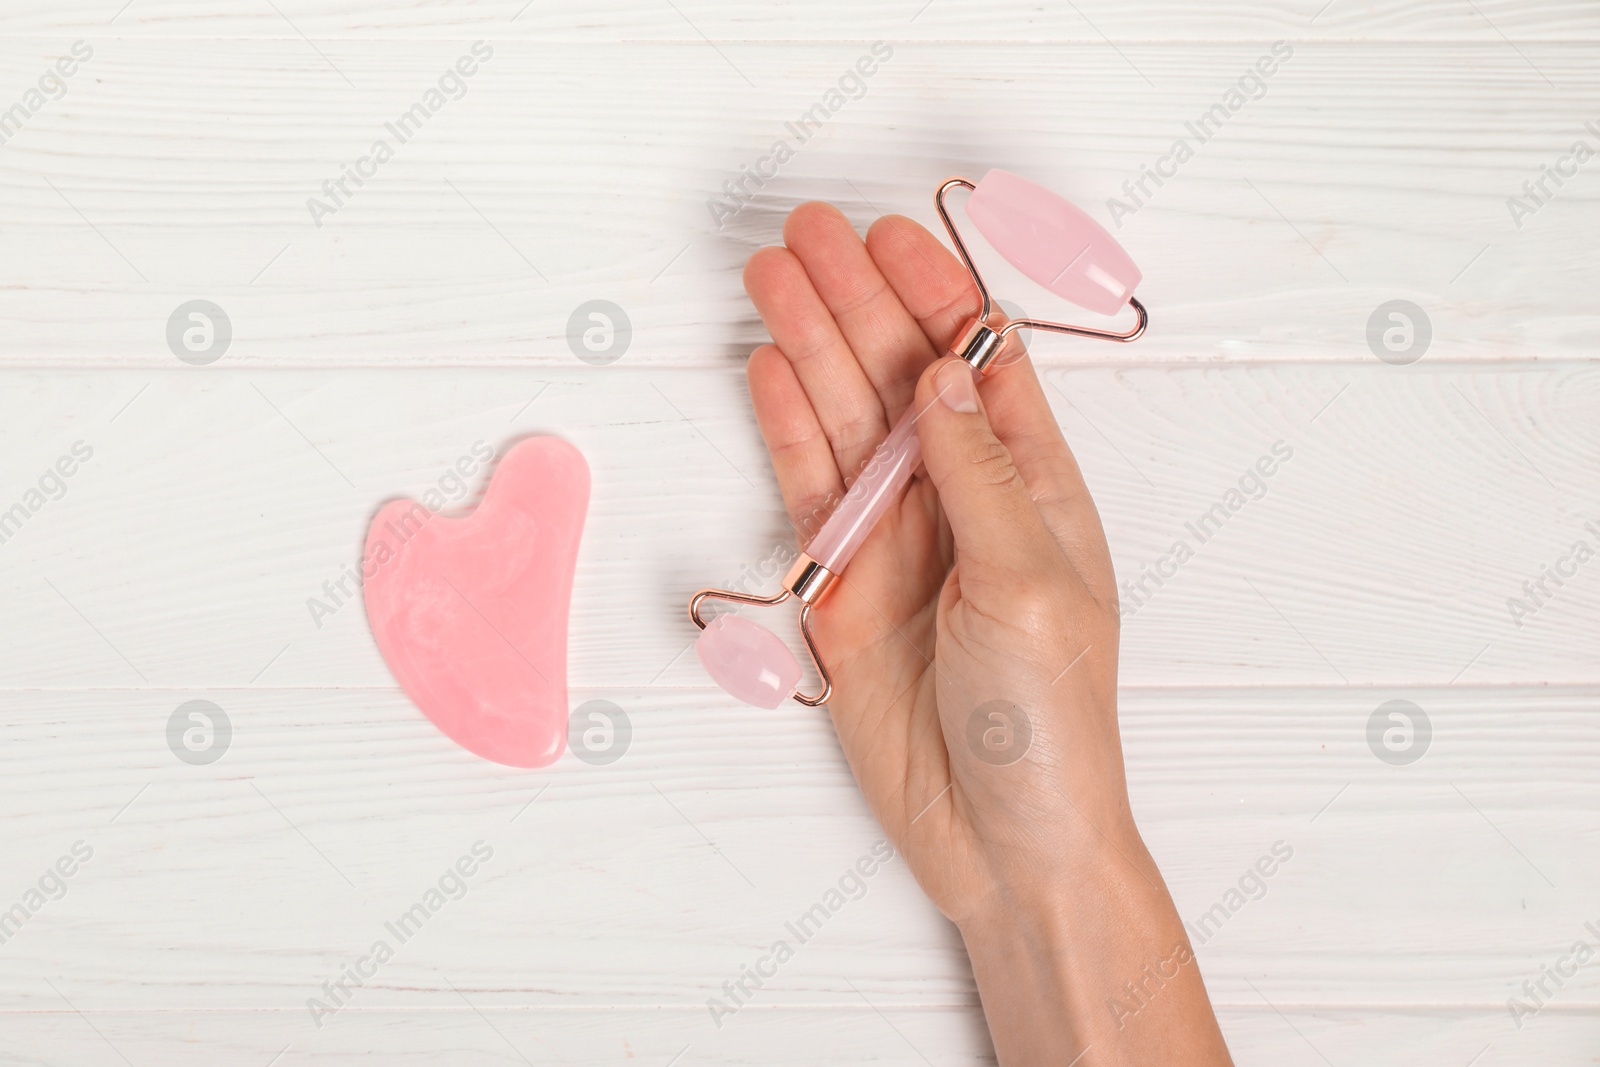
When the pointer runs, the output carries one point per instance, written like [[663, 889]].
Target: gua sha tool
[[470, 612], [1046, 238]]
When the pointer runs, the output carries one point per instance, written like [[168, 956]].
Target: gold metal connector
[[808, 580]]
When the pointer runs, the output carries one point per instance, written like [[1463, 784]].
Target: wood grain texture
[[171, 171], [651, 881], [897, 1037], [431, 312], [690, 23], [194, 548]]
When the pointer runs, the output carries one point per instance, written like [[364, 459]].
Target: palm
[[854, 326]]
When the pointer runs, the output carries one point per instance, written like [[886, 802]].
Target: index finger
[[939, 293]]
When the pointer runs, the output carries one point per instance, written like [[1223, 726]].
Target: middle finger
[[888, 342]]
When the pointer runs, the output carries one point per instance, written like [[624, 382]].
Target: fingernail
[[956, 387]]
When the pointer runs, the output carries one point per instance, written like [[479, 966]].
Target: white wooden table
[[429, 311]]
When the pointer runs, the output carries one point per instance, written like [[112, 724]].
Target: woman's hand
[[972, 643]]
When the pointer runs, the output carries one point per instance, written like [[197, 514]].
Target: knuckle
[[990, 464], [1048, 599], [1038, 606]]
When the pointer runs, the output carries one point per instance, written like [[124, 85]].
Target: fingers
[[1021, 416], [847, 406], [997, 529], [802, 457], [887, 341], [892, 302], [936, 289], [931, 283]]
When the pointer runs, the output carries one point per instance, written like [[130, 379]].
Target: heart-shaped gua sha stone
[[470, 612]]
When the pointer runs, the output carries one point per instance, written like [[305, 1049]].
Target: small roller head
[[748, 661]]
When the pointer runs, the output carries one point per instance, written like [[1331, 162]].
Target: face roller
[[1046, 238]]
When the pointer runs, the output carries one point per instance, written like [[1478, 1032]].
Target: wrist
[[1053, 897], [1088, 953], [1033, 864]]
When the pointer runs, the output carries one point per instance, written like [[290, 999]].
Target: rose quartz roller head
[[1044, 237]]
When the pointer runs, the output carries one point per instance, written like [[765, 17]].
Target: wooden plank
[[847, 1034], [1345, 187], [651, 881], [1376, 563], [1006, 20], [200, 545]]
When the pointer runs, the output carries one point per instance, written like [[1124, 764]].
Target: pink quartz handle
[[1053, 242], [875, 489]]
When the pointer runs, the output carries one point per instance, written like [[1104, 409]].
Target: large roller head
[[1053, 242]]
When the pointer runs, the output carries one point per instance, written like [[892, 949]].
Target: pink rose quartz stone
[[1053, 242], [748, 661], [470, 612]]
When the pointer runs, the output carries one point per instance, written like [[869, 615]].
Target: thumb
[[992, 514]]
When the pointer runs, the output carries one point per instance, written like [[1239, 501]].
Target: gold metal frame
[[807, 581], [980, 343]]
